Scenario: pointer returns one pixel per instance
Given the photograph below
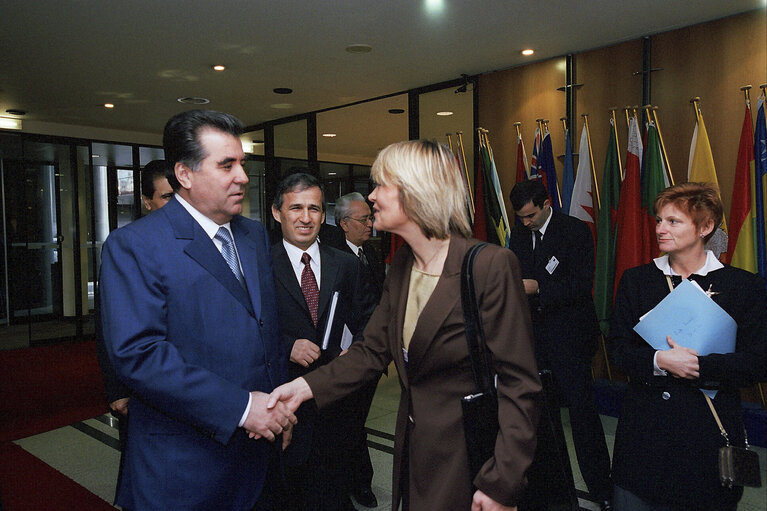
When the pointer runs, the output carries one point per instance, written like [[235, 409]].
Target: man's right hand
[[263, 422], [120, 405], [304, 352]]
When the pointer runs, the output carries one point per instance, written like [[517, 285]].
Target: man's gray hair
[[344, 204]]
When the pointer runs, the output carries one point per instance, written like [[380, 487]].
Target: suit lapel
[[440, 304], [286, 277], [248, 252], [202, 250], [328, 275]]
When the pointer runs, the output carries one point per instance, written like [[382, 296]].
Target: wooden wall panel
[[521, 94], [608, 81], [712, 61]]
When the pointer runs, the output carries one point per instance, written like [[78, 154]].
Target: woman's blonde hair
[[432, 190]]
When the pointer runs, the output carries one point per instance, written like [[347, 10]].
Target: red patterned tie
[[309, 287]]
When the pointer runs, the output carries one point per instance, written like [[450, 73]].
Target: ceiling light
[[444, 114], [282, 106], [96, 156], [109, 105], [9, 123], [396, 111], [282, 90], [329, 135], [331, 173], [219, 67], [527, 52], [359, 48], [191, 100]]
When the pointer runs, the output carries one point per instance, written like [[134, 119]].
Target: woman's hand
[[482, 502], [680, 361]]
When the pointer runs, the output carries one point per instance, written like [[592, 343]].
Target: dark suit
[[360, 466], [313, 469], [565, 329], [190, 342]]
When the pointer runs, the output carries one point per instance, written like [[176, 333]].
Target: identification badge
[[552, 265]]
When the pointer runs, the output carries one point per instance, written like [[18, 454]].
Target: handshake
[[274, 414]]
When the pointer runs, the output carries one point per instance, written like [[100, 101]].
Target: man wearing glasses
[[353, 215]]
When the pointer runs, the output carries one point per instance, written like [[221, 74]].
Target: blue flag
[[568, 174], [760, 171], [548, 171]]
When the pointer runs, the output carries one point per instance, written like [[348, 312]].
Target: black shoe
[[605, 505], [365, 497]]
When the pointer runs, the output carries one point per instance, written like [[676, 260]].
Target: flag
[[494, 196], [522, 170], [582, 200], [700, 166], [536, 150], [654, 181], [628, 249], [548, 171], [741, 250], [760, 174], [568, 174], [606, 234], [460, 158]]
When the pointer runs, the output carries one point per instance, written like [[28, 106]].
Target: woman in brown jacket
[[420, 195]]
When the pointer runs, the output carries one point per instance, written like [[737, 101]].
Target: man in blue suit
[[190, 324]]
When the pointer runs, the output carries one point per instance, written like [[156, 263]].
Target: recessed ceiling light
[[331, 173], [219, 67], [359, 48], [191, 100], [9, 123], [329, 135], [282, 106], [528, 52], [444, 114], [109, 105], [283, 90], [96, 156], [14, 111], [396, 111]]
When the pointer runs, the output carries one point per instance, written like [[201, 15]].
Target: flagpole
[[591, 158], [654, 111], [696, 105], [564, 123], [628, 117], [462, 155], [617, 145]]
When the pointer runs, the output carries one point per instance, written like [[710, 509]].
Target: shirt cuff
[[247, 409], [657, 371]]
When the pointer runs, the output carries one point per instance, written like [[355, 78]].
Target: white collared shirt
[[543, 228], [210, 227], [355, 248], [294, 255]]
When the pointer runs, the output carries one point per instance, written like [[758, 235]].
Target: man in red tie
[[321, 309]]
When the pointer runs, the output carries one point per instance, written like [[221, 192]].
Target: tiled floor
[[86, 452]]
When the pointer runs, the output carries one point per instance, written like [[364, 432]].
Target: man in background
[[155, 189], [353, 216], [321, 310], [190, 325], [556, 252]]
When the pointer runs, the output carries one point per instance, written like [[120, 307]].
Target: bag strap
[[475, 335], [708, 399], [716, 417]]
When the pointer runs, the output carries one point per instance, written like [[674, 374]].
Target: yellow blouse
[[421, 287]]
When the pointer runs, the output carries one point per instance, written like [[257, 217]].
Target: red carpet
[[48, 387], [26, 483]]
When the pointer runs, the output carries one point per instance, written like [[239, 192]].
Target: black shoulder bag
[[480, 410]]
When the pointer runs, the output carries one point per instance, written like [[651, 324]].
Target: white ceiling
[[60, 61]]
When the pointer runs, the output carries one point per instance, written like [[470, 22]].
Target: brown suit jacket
[[429, 445]]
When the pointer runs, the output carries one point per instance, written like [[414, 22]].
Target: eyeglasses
[[364, 220]]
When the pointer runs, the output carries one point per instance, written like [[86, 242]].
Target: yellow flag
[[700, 168]]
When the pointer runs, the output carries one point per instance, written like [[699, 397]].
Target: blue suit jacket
[[190, 343]]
